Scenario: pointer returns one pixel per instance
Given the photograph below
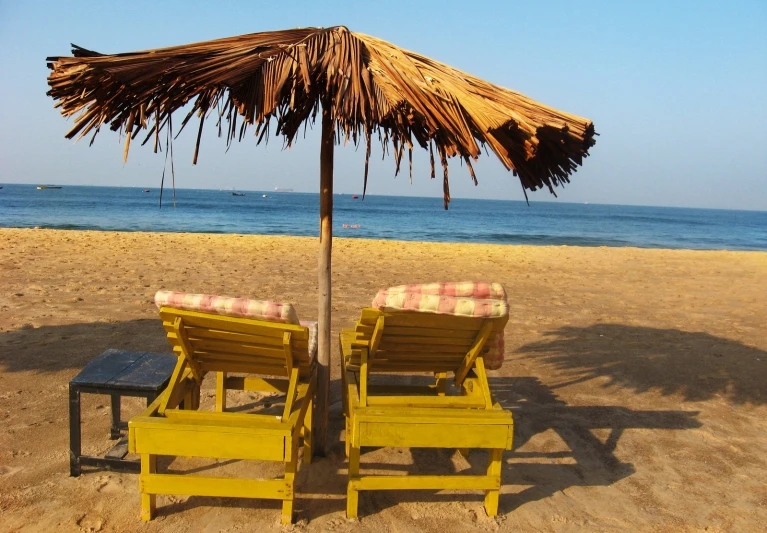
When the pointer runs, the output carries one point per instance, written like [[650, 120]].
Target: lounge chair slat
[[205, 333], [275, 489], [209, 357], [207, 345], [418, 345], [426, 401], [465, 482], [430, 332], [235, 324]]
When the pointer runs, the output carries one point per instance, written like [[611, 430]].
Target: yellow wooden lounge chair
[[207, 338], [416, 332]]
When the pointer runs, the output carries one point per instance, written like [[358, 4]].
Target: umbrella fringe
[[367, 162]]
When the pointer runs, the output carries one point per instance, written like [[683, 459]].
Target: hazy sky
[[677, 91]]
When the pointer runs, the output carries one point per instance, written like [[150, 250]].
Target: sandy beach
[[636, 378]]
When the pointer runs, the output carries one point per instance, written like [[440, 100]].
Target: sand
[[636, 378]]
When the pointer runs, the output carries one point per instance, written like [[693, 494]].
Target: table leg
[[114, 432], [74, 431]]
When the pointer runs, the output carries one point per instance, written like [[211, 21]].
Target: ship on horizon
[[283, 189]]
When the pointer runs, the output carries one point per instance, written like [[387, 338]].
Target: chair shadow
[[696, 365], [537, 409]]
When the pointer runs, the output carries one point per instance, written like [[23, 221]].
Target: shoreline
[[635, 377], [338, 238]]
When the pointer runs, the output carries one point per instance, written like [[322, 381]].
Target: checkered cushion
[[460, 299], [441, 305], [481, 290], [222, 305]]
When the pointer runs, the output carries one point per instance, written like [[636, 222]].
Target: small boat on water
[[265, 196], [146, 190], [39, 187], [354, 197], [238, 194]]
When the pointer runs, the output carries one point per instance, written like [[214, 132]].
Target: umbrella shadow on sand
[[695, 365], [48, 349]]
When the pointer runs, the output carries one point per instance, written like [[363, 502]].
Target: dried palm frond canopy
[[370, 87]]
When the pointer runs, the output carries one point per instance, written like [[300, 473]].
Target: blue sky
[[677, 91]]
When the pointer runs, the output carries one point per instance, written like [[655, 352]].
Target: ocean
[[381, 217]]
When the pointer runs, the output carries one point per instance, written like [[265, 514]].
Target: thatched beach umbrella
[[361, 85]]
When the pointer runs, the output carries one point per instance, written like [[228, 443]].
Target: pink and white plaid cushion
[[482, 290], [222, 305], [434, 298], [439, 304]]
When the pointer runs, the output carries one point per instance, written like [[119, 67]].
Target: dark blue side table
[[117, 373]]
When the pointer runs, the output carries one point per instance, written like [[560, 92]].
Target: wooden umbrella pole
[[320, 425]]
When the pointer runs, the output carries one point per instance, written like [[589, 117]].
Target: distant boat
[[264, 196], [354, 197], [238, 194], [283, 189], [39, 187], [146, 190]]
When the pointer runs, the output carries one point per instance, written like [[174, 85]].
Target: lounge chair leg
[[290, 478], [148, 501], [287, 512], [220, 392], [441, 383], [352, 495], [347, 437], [494, 470], [196, 396], [188, 404], [308, 437]]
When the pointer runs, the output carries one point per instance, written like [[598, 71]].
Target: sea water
[[381, 217]]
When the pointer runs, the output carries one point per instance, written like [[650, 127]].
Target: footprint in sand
[[91, 523], [106, 485], [6, 471]]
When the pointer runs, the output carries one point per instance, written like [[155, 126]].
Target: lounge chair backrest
[[461, 301], [236, 334], [422, 342], [218, 343]]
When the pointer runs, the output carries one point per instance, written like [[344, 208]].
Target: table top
[[122, 369]]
